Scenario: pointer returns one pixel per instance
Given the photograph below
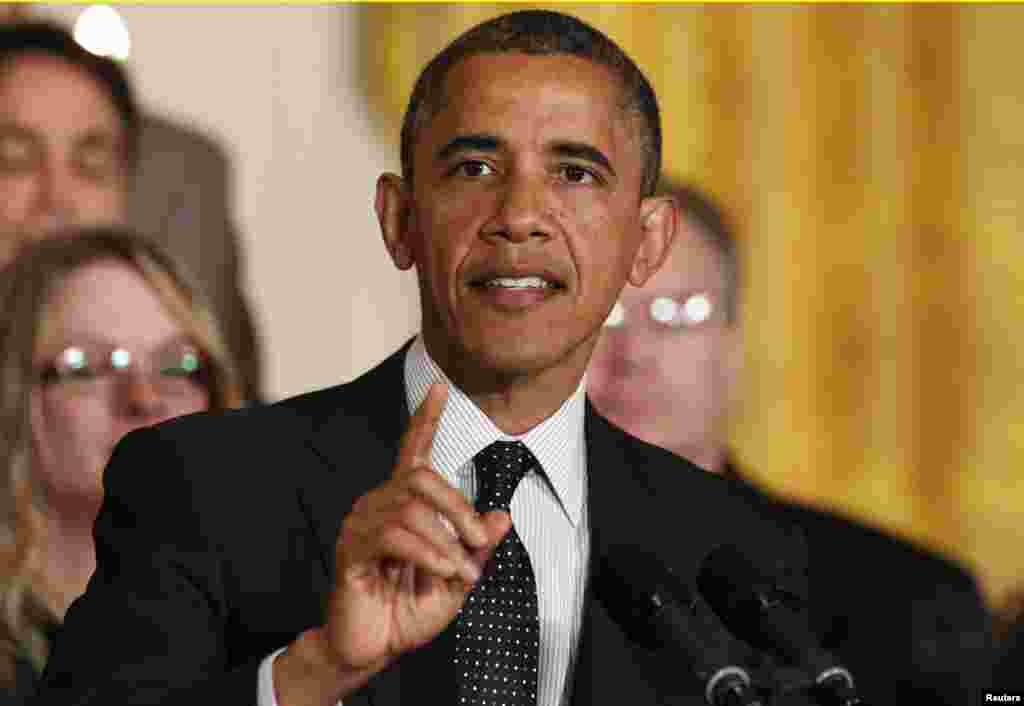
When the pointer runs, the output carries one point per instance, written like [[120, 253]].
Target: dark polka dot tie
[[496, 633]]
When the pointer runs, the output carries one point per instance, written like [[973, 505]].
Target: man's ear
[[659, 222], [734, 362], [392, 206]]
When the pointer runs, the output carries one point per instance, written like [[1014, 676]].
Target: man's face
[[672, 385], [61, 151], [525, 218]]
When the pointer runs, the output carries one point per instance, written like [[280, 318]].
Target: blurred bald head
[[667, 364]]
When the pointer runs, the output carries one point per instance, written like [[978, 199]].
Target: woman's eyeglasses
[[174, 369]]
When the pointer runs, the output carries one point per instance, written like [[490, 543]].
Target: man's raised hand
[[407, 556]]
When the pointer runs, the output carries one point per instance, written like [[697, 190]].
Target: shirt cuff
[[265, 678], [266, 695]]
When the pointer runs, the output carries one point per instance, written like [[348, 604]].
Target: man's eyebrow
[[8, 129], [468, 143], [581, 150], [98, 138]]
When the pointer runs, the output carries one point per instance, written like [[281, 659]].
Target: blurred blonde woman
[[100, 333]]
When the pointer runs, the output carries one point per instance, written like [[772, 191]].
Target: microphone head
[[635, 587], [755, 606], [736, 587], [660, 611]]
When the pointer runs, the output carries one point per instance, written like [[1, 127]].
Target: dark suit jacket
[[180, 196], [26, 678], [215, 546], [910, 624], [19, 693], [1008, 670]]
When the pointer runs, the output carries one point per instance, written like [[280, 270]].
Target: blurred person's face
[[666, 373], [105, 311], [525, 217], [61, 151]]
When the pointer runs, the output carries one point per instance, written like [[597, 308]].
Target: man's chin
[[628, 413], [516, 358], [507, 350], [510, 358]]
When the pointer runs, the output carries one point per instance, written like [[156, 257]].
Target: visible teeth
[[519, 282]]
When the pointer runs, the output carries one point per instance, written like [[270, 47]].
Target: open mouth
[[518, 277], [531, 282], [517, 291]]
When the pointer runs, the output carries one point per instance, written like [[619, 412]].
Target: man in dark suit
[[1008, 667], [908, 622], [180, 195], [337, 546]]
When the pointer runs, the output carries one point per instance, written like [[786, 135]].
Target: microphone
[[752, 603], [658, 610]]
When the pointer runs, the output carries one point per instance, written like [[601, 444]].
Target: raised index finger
[[419, 437]]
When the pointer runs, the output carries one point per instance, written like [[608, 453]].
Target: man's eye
[[96, 163], [82, 373], [16, 154], [474, 168], [576, 174]]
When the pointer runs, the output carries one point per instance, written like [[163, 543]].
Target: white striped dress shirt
[[549, 511], [549, 507]]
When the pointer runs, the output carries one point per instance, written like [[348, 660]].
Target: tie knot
[[499, 468]]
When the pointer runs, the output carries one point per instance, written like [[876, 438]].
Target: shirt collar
[[464, 431]]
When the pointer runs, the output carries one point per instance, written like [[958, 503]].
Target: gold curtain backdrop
[[873, 156]]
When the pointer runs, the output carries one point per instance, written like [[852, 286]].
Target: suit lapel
[[358, 441], [627, 508], [609, 669], [606, 670]]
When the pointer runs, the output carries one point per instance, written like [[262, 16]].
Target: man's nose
[[524, 211], [141, 398], [56, 201]]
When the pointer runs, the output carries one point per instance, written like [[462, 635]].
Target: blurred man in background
[[68, 132], [75, 151], [666, 366], [904, 619], [179, 195]]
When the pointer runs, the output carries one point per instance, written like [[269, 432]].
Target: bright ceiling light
[[102, 31]]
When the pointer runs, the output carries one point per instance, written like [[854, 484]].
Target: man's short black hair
[[539, 32], [20, 38], [716, 229]]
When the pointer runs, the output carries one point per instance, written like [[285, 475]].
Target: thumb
[[496, 524]]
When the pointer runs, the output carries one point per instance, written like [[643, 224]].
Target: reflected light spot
[[120, 358], [74, 358], [664, 310], [697, 308]]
